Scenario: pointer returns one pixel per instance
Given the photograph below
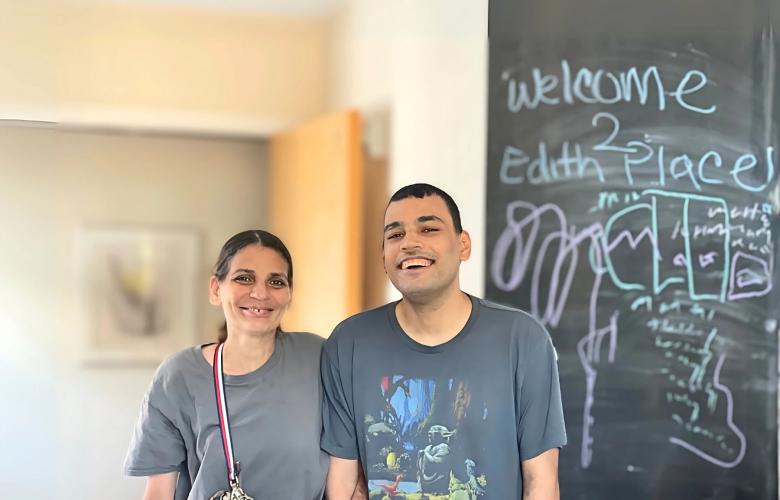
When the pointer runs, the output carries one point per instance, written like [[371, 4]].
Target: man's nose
[[410, 242]]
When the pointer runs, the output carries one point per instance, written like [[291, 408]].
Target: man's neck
[[437, 321]]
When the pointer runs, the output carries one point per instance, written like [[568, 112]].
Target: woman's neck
[[246, 352]]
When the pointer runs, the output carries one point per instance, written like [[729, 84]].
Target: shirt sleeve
[[338, 421], [540, 425], [157, 445]]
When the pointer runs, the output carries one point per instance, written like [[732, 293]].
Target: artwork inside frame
[[139, 292]]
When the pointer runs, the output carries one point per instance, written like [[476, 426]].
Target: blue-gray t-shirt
[[275, 420], [452, 421]]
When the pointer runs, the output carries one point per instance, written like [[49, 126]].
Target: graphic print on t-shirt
[[423, 441]]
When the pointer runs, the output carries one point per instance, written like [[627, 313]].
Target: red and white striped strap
[[224, 420]]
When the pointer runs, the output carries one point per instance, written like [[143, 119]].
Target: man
[[439, 393]]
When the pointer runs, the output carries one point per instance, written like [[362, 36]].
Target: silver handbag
[[235, 493]]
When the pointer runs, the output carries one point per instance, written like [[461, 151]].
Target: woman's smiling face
[[255, 293]]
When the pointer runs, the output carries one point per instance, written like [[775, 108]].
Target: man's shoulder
[[520, 321], [501, 311], [358, 324], [339, 348]]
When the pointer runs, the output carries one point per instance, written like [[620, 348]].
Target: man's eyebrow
[[428, 218], [390, 226]]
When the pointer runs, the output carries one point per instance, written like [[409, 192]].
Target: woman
[[269, 380]]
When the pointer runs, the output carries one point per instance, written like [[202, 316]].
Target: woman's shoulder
[[303, 342], [174, 375], [304, 338], [181, 363]]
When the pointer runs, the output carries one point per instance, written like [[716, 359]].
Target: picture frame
[[138, 291]]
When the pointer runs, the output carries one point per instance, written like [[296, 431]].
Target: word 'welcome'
[[604, 87]]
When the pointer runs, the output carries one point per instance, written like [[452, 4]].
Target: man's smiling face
[[422, 251]]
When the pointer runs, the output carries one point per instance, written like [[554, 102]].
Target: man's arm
[[540, 476], [345, 480]]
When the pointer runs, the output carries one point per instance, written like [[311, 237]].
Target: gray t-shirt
[[275, 419], [450, 421]]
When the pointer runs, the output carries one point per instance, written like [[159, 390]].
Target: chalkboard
[[633, 205]]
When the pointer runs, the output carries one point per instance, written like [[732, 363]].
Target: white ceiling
[[284, 7]]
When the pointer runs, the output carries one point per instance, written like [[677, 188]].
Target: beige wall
[[172, 69], [426, 62], [146, 66], [115, 66], [67, 435]]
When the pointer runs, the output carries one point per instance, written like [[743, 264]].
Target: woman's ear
[[214, 291]]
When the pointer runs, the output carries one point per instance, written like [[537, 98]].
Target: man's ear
[[214, 291], [465, 245], [382, 257]]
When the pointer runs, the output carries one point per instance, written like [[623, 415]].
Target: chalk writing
[[749, 172], [600, 86], [537, 235], [664, 242]]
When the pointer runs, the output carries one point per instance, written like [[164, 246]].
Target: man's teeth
[[415, 263]]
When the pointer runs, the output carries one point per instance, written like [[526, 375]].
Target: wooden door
[[316, 208]]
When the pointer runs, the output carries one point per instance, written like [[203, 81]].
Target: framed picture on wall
[[139, 292]]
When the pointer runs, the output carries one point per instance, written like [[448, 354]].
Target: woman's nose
[[259, 291]]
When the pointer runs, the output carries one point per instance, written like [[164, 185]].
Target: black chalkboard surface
[[633, 204]]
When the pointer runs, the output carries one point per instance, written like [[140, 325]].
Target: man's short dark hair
[[422, 190]]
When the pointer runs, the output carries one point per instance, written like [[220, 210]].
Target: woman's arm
[[161, 486], [361, 489], [345, 480]]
